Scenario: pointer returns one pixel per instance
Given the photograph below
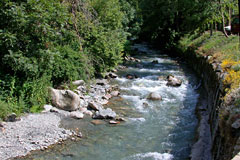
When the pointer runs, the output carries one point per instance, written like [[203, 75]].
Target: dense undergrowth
[[49, 42]]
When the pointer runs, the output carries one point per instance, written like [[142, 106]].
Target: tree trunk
[[223, 19]]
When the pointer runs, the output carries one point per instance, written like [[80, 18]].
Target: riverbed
[[154, 130]]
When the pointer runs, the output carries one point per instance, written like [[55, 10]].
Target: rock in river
[[94, 106], [154, 96], [76, 115], [105, 114], [173, 81], [65, 99]]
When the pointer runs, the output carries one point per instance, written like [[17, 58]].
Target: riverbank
[[39, 131], [215, 60]]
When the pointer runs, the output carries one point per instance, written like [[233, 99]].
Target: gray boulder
[[105, 114], [173, 81], [154, 96], [65, 99], [115, 93]]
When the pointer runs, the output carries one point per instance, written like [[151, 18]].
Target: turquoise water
[[155, 130]]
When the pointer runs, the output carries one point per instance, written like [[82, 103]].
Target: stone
[[173, 81], [101, 82], [1, 125], [137, 60], [131, 76], [78, 83], [83, 110], [95, 106], [155, 61], [11, 118], [88, 113], [65, 99], [115, 93], [121, 119], [112, 75], [76, 115], [105, 114], [97, 122], [154, 96], [107, 96], [47, 108], [114, 122]]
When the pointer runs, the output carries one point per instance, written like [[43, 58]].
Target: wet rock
[[112, 75], [97, 122], [155, 61], [11, 118], [131, 76], [120, 119], [105, 114], [101, 82], [94, 106], [173, 81], [65, 99], [115, 93], [78, 83], [137, 60], [154, 96], [114, 122], [161, 78], [76, 115]]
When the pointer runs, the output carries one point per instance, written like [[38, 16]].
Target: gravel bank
[[32, 132]]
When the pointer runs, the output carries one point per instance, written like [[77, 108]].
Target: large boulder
[[154, 96], [105, 114], [65, 99], [173, 81]]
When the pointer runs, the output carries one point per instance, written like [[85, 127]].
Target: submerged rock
[[173, 81], [105, 114], [131, 76], [65, 99], [97, 122], [155, 61], [154, 96]]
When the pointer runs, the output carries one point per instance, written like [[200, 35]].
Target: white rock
[[65, 99], [76, 115]]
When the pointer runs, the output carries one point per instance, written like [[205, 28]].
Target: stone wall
[[216, 138]]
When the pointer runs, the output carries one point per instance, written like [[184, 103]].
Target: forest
[[52, 42]]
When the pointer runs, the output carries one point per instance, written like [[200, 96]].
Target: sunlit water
[[155, 130]]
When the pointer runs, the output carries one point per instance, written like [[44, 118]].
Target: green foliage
[[49, 42]]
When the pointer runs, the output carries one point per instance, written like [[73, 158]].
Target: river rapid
[[155, 130]]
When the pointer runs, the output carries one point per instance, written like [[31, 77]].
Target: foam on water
[[152, 156]]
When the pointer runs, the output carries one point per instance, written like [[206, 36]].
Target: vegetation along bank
[[50, 43]]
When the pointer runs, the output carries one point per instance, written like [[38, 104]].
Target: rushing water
[[155, 130]]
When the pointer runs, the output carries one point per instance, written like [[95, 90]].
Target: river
[[155, 130]]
